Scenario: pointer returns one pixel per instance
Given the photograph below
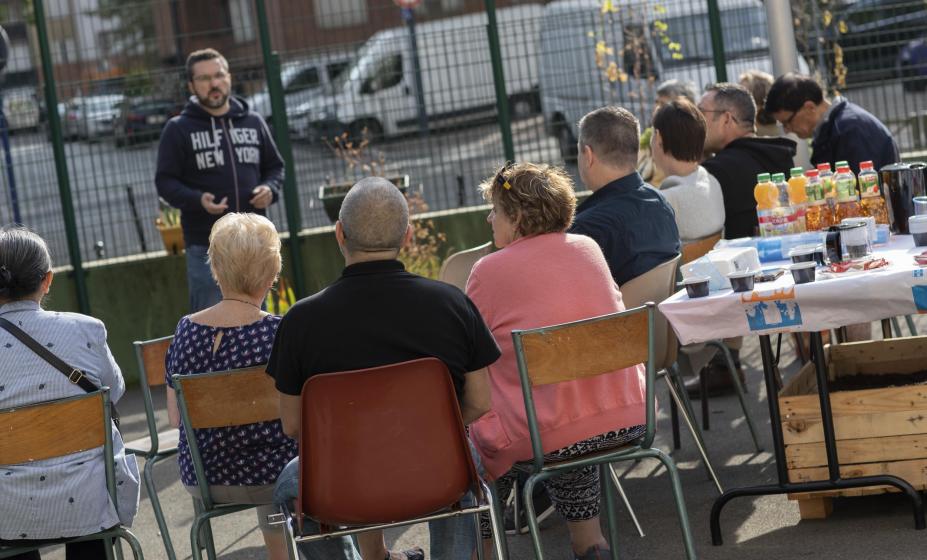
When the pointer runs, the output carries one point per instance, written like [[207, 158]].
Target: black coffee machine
[[901, 182]]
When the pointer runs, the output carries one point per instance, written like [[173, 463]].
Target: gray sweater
[[698, 203]]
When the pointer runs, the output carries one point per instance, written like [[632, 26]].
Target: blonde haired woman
[[242, 463]]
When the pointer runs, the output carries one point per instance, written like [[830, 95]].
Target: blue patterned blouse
[[250, 455]]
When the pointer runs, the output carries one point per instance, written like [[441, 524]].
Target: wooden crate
[[879, 431]]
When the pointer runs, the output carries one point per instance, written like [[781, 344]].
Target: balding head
[[374, 217]]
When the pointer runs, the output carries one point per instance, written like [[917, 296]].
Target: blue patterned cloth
[[249, 455]]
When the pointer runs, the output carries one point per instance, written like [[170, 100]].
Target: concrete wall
[[143, 297]]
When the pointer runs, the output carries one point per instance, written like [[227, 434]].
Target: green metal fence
[[358, 98]]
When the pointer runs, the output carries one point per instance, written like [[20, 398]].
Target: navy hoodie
[[227, 156]]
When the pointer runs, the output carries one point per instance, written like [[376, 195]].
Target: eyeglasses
[[206, 78], [733, 118], [788, 121]]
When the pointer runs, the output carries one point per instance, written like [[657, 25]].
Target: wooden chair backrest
[[151, 356], [696, 248], [51, 429], [585, 348], [229, 398], [456, 268], [656, 285]]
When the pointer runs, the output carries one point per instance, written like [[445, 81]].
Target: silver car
[[90, 117]]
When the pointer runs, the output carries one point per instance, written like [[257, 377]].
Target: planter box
[[173, 239], [333, 195], [879, 431]]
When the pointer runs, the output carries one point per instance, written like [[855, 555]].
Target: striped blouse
[[64, 496]]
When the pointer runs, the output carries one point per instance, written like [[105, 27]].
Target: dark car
[[141, 119], [912, 65]]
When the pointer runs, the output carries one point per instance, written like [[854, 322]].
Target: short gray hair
[[736, 99], [374, 216], [613, 133], [674, 89]]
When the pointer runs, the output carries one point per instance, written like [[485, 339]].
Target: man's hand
[[209, 204], [262, 198]]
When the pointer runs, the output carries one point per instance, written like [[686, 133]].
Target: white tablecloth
[[781, 306]]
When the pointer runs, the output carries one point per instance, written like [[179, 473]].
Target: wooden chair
[[34, 433], [217, 400], [157, 445], [352, 420], [456, 268], [696, 248], [583, 349]]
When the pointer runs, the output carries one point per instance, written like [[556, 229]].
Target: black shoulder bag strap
[[73, 374]]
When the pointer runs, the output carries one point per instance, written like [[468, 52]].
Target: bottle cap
[[865, 165], [824, 167], [778, 177], [842, 164], [811, 173], [762, 178], [796, 171]]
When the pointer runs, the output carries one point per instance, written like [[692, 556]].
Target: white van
[[302, 80], [378, 92], [572, 84]]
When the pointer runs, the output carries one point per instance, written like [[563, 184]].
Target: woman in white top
[[65, 496], [677, 144]]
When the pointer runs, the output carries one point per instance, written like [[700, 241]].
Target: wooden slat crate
[[879, 431]]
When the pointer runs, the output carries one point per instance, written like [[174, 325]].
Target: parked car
[[21, 109], [302, 80], [912, 65], [378, 92], [141, 119], [90, 117], [572, 84]]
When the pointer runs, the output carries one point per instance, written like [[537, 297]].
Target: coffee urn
[[901, 182]]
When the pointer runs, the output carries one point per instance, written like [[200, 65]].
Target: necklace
[[241, 301]]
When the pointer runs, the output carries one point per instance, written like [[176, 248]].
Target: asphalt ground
[[753, 528]]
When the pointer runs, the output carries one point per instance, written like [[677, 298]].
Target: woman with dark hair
[[66, 496]]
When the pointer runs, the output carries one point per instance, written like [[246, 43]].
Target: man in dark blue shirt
[[632, 222]]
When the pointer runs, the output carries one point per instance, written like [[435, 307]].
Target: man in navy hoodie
[[215, 157]]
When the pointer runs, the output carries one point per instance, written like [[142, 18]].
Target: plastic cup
[[917, 225], [920, 205], [803, 253], [741, 281], [696, 286], [803, 272]]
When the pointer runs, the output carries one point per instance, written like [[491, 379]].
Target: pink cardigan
[[535, 282]]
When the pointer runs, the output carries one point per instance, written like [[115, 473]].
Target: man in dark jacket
[[215, 157], [739, 156], [842, 131]]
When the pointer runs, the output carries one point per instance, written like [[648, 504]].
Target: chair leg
[[696, 433], [896, 326], [674, 421], [739, 389], [679, 497], [108, 548], [148, 477], [682, 395], [134, 545], [703, 396], [911, 326], [204, 532], [531, 515], [500, 544], [624, 498], [607, 485]]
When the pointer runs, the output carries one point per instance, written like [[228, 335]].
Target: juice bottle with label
[[847, 197], [798, 198], [767, 202], [871, 203], [828, 185], [818, 215]]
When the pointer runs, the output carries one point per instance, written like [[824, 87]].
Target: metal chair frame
[[110, 536]]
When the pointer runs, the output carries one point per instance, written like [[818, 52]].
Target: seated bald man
[[392, 316]]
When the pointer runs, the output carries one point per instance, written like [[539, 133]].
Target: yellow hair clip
[[507, 185]]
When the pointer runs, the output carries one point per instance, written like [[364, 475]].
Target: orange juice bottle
[[798, 198], [871, 203], [767, 200], [818, 215], [847, 196]]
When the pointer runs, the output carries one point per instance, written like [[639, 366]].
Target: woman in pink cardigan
[[544, 276]]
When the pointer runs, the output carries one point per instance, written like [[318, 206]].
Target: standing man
[[738, 155], [629, 219], [841, 131], [215, 157]]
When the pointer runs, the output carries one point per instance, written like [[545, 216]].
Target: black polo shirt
[[378, 314]]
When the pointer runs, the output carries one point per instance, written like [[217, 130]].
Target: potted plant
[[333, 195], [168, 224]]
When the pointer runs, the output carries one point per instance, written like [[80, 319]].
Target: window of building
[[242, 20], [331, 14]]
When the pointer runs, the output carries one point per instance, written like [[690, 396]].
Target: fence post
[[282, 136], [717, 41], [61, 164], [498, 78]]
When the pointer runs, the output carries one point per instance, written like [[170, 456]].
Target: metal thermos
[[901, 182]]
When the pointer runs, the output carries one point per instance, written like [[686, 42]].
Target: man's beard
[[207, 101]]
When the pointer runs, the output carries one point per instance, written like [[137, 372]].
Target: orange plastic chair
[[352, 420]]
